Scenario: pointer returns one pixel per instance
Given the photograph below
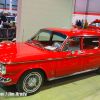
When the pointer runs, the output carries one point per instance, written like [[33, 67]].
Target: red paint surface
[[23, 51], [75, 26]]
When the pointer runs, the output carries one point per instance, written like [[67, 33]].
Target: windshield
[[10, 18], [47, 39]]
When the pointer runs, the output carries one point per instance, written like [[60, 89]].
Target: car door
[[91, 49], [71, 59]]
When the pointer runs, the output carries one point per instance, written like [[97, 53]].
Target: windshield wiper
[[37, 44]]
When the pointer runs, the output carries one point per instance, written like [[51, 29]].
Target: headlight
[[2, 69]]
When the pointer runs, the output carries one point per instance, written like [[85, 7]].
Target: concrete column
[[19, 21], [87, 5], [36, 14], [11, 6]]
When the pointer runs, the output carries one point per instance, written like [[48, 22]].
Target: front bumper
[[5, 80]]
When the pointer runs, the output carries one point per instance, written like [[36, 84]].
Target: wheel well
[[45, 76]]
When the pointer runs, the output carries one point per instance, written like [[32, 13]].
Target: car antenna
[[23, 35]]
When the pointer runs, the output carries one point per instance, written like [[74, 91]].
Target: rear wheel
[[30, 82]]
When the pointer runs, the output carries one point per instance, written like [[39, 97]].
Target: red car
[[95, 24], [51, 54], [74, 26]]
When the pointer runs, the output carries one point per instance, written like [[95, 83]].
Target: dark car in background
[[10, 18], [0, 19]]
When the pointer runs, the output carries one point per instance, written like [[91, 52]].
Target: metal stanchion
[[7, 34]]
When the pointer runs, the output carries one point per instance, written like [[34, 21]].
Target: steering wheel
[[57, 44]]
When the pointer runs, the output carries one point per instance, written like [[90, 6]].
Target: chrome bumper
[[4, 80]]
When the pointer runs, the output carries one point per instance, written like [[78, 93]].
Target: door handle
[[99, 50], [81, 52], [69, 54]]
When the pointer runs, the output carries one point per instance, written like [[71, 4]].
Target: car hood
[[19, 52]]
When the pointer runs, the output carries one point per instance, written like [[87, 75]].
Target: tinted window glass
[[90, 43], [43, 36], [58, 37]]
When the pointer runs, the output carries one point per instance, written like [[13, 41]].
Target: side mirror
[[73, 52], [56, 50]]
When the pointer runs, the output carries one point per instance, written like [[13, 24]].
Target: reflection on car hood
[[17, 52]]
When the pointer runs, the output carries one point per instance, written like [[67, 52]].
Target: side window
[[90, 43], [73, 44]]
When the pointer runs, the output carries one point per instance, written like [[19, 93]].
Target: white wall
[[89, 18], [36, 14], [77, 17]]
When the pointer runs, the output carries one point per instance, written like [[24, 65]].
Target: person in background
[[9, 14], [14, 14], [0, 21], [79, 24], [16, 18], [1, 13], [76, 22], [82, 23], [85, 24], [3, 18]]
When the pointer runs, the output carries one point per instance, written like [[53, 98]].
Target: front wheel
[[30, 82]]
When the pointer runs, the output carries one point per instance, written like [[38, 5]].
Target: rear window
[[90, 43]]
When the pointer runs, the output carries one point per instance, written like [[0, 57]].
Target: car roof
[[96, 21], [75, 31]]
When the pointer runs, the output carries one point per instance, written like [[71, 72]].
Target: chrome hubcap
[[32, 82]]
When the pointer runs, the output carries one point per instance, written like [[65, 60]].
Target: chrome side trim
[[45, 59], [54, 78], [37, 60], [26, 61]]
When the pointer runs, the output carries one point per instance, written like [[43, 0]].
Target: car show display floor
[[79, 87]]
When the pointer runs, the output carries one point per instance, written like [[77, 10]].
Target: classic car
[[50, 54], [95, 24], [74, 26]]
